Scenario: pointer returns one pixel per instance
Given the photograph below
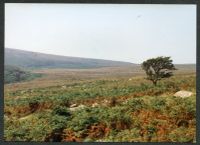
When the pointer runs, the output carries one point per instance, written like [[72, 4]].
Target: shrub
[[158, 104], [33, 105], [113, 101], [150, 132], [62, 111], [126, 135], [136, 104], [181, 135], [182, 108], [119, 118], [58, 122], [65, 102], [190, 106], [82, 120], [171, 86], [13, 74]]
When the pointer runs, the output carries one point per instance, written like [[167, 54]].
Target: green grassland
[[128, 108]]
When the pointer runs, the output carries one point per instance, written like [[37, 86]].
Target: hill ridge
[[29, 59]]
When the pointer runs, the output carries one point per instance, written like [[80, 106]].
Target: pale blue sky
[[125, 32]]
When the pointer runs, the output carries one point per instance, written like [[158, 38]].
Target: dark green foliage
[[158, 103], [158, 68], [82, 120], [65, 102], [122, 122], [136, 104], [62, 111], [58, 122], [33, 105], [14, 74]]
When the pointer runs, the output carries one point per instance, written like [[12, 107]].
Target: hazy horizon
[[129, 33]]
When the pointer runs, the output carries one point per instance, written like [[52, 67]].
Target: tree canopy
[[158, 68]]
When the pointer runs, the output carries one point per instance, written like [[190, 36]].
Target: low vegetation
[[13, 74], [114, 110]]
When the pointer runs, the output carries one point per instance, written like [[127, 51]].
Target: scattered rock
[[183, 94], [73, 105], [63, 87], [125, 102], [22, 92], [130, 79], [6, 117], [95, 105], [105, 102], [26, 117], [80, 107]]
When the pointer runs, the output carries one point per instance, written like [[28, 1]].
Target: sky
[[128, 32]]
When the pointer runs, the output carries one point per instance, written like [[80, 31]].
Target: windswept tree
[[158, 68]]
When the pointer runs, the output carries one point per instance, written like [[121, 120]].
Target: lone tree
[[158, 68]]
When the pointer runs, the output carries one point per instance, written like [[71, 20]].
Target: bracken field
[[100, 105]]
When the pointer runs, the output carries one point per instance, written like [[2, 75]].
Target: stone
[[63, 87], [183, 94], [80, 107], [73, 105], [95, 105], [105, 102]]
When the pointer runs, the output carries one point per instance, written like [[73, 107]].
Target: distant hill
[[33, 60]]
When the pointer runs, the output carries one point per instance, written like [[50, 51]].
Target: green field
[[118, 105]]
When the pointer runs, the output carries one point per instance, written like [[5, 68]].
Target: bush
[[183, 108], [113, 101], [33, 105], [151, 131], [119, 118], [65, 102], [58, 122], [136, 104], [181, 135], [158, 104], [13, 74], [126, 135], [172, 86], [82, 120], [62, 111]]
